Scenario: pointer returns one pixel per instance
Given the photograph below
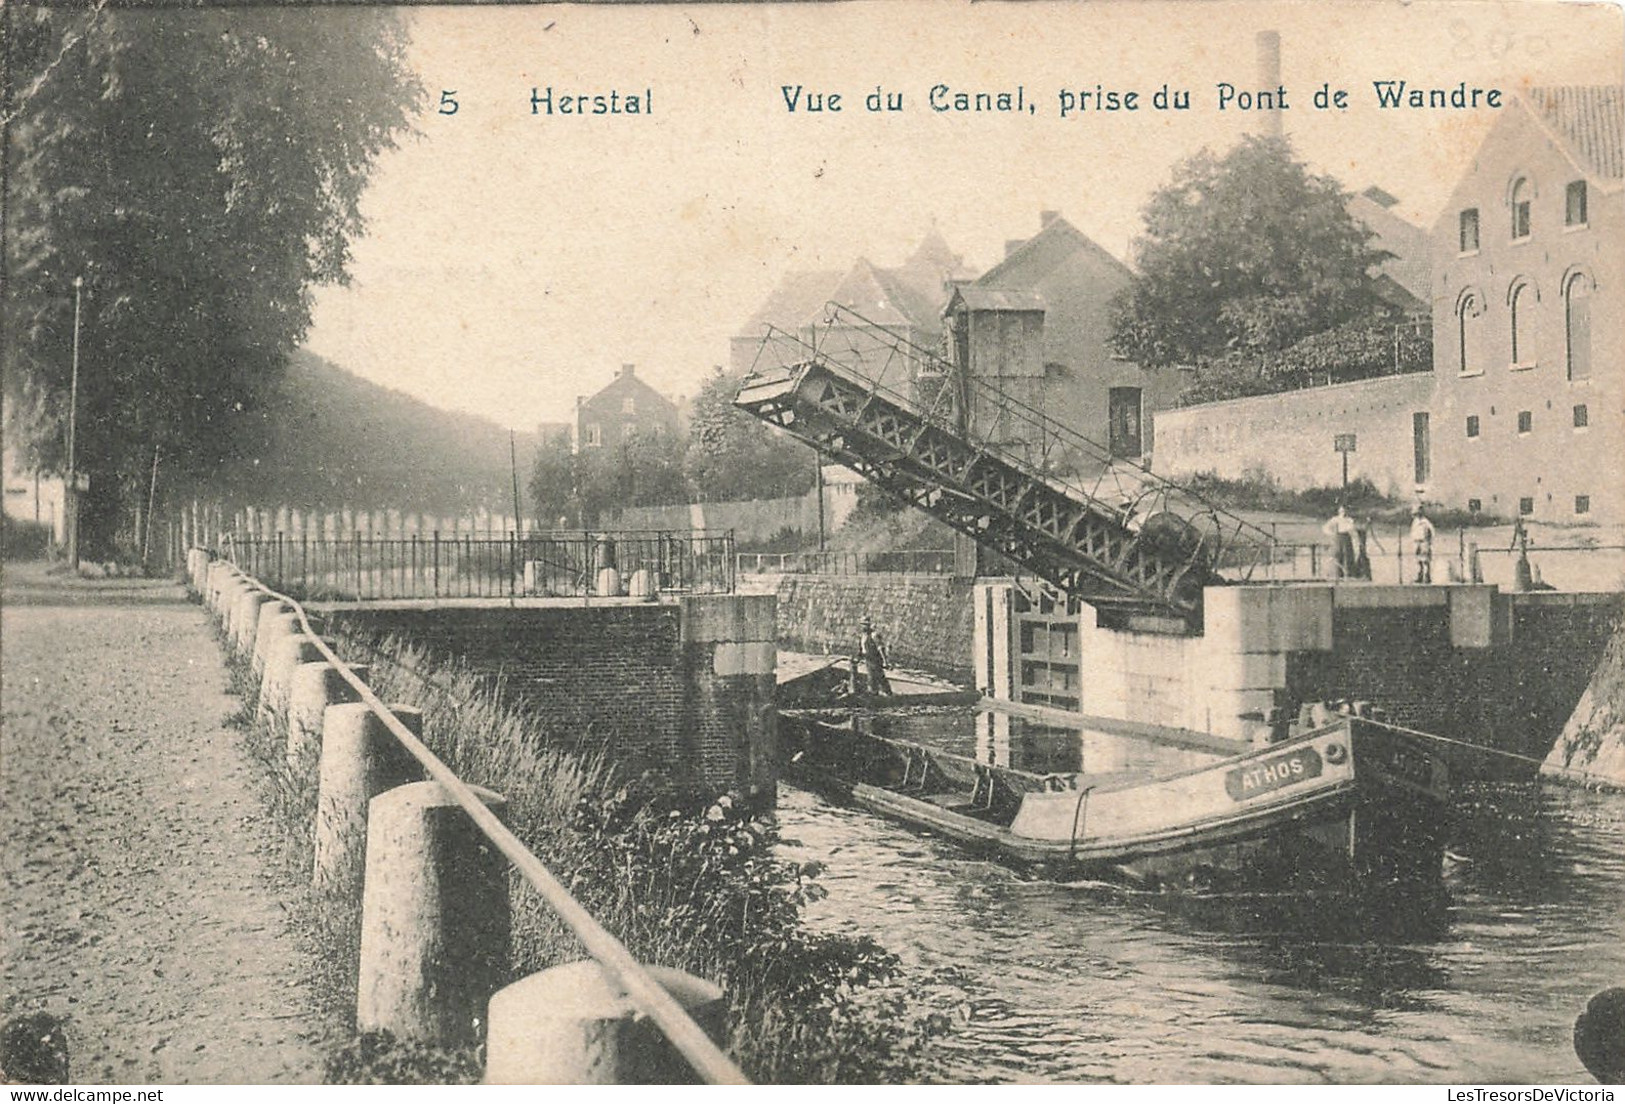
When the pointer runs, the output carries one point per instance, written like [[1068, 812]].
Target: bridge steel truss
[[1050, 500]]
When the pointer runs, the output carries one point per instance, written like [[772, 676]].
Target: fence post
[[360, 759], [572, 1025], [437, 563], [434, 917]]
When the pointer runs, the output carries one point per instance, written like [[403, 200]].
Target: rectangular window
[[1574, 207], [1123, 414], [1582, 504], [595, 435], [1474, 505], [1526, 506], [1582, 417], [1520, 218], [1472, 425], [1526, 421], [1469, 230], [629, 405]]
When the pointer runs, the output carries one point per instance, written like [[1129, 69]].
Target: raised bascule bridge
[[1153, 606], [1097, 528]]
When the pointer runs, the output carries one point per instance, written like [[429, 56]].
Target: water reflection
[[1087, 982]]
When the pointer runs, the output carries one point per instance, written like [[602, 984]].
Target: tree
[[202, 171], [1242, 255], [732, 455]]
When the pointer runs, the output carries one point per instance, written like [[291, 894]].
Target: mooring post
[[312, 687], [360, 759], [572, 1025], [434, 917]]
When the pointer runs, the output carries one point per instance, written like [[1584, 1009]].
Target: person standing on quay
[[1422, 544], [873, 654], [1341, 529]]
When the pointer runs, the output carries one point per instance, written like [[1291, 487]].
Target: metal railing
[[907, 561], [650, 997], [529, 565], [1599, 567]]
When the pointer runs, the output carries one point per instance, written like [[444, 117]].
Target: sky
[[513, 261]]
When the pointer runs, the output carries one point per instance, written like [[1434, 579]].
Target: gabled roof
[[797, 295], [881, 297], [1035, 258], [1589, 120]]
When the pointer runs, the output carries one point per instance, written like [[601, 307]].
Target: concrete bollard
[[434, 918], [277, 622], [572, 1025], [231, 599], [281, 657], [245, 622], [218, 571], [197, 567], [232, 584], [360, 759], [312, 687]]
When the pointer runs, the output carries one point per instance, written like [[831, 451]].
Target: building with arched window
[[1529, 282]]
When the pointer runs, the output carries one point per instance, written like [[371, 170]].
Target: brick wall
[[626, 678], [926, 621]]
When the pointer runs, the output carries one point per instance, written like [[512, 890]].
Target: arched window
[[1522, 190], [1469, 348], [1521, 300], [1577, 324]]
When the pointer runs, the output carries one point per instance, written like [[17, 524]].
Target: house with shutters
[[1529, 286]]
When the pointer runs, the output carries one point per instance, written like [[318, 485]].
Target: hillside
[[325, 438]]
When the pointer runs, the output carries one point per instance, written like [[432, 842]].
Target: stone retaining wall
[[924, 620]]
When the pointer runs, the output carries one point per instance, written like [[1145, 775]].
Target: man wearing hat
[[1422, 544], [873, 654]]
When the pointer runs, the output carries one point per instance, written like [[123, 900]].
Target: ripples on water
[[1088, 982]]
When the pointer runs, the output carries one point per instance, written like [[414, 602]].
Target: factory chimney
[[1269, 79]]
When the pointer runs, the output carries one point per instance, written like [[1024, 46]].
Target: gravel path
[[139, 897]]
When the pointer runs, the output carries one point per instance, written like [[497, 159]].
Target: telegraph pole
[[72, 489]]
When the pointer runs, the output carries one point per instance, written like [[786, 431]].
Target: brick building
[[626, 408], [1037, 325], [1528, 261]]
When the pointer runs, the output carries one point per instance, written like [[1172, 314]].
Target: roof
[[1056, 243], [797, 295], [882, 297], [980, 298], [1410, 267], [1589, 119]]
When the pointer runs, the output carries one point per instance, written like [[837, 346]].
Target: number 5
[[448, 106]]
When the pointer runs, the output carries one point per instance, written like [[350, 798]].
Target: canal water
[[1053, 982]]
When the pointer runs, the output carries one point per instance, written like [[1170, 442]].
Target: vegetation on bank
[[683, 882], [1261, 491]]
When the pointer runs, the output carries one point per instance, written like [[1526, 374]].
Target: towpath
[[140, 896]]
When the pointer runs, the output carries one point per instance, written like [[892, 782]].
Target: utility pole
[[513, 466], [72, 489], [818, 465]]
